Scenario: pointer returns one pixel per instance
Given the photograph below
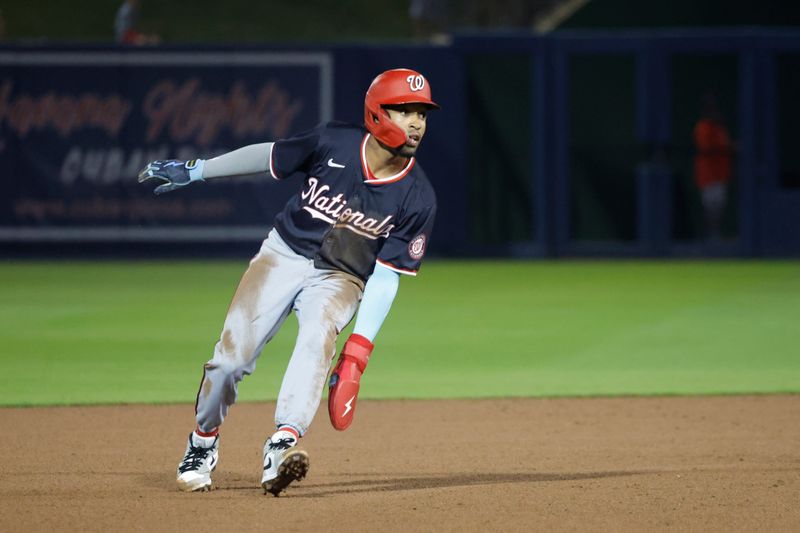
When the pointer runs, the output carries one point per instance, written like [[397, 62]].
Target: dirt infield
[[624, 464]]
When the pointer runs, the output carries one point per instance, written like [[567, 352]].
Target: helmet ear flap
[[373, 118], [381, 126]]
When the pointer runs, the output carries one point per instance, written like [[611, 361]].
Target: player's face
[[411, 118]]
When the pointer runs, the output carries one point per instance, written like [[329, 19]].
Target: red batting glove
[[345, 378]]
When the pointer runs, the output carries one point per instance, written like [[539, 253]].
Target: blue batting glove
[[174, 173]]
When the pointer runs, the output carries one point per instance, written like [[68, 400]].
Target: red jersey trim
[[396, 269], [371, 179]]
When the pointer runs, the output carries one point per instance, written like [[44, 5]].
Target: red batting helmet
[[394, 87]]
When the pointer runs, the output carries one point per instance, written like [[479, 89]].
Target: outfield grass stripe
[[84, 332]]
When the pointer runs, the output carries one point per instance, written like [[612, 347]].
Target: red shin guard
[[345, 378]]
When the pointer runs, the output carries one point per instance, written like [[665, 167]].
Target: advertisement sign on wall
[[76, 127]]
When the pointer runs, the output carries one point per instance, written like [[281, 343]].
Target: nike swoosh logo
[[334, 165], [269, 464], [349, 406]]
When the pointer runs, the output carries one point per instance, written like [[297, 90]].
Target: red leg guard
[[345, 379]]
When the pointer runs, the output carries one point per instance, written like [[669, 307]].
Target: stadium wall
[[576, 143]]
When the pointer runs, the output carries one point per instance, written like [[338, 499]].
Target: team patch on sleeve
[[416, 248]]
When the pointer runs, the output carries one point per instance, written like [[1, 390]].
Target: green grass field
[[108, 332]]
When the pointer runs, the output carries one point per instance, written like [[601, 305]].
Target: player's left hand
[[173, 172]]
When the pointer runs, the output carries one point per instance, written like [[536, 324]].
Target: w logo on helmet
[[416, 83]]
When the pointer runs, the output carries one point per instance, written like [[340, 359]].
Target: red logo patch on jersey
[[416, 248]]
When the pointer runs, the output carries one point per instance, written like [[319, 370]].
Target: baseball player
[[362, 217]]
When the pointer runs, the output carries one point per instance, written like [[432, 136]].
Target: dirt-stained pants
[[277, 281]]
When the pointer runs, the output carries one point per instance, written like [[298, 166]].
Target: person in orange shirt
[[713, 164]]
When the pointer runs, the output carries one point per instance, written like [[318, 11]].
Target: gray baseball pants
[[278, 281]]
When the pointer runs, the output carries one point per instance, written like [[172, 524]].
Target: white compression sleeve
[[249, 159], [378, 296]]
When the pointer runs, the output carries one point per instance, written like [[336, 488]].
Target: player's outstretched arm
[[250, 159]]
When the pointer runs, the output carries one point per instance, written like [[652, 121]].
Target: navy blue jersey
[[343, 217]]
